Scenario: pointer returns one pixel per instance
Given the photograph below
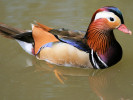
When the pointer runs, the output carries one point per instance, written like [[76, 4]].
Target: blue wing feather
[[77, 44]]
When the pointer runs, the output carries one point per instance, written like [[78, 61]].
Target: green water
[[23, 77]]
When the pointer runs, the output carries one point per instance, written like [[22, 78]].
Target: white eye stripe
[[105, 14]]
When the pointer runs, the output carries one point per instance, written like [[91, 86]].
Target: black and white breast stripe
[[96, 61]]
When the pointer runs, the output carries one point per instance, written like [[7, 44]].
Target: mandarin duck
[[95, 48]]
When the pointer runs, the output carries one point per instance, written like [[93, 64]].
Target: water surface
[[23, 77]]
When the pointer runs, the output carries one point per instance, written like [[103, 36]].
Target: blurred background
[[23, 77]]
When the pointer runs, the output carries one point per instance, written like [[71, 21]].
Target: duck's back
[[62, 49]]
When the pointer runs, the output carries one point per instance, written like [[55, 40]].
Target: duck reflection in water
[[102, 82]]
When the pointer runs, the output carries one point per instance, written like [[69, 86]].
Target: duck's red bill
[[124, 29]]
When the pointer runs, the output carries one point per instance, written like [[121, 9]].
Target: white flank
[[28, 30], [32, 25], [28, 47]]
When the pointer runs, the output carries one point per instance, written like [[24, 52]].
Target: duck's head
[[113, 18], [105, 50], [100, 31]]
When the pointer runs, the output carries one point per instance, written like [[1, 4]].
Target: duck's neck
[[100, 38]]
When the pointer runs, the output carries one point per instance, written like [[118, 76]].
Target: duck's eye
[[111, 19]]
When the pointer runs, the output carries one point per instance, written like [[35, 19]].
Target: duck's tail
[[24, 38], [8, 31], [15, 33]]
